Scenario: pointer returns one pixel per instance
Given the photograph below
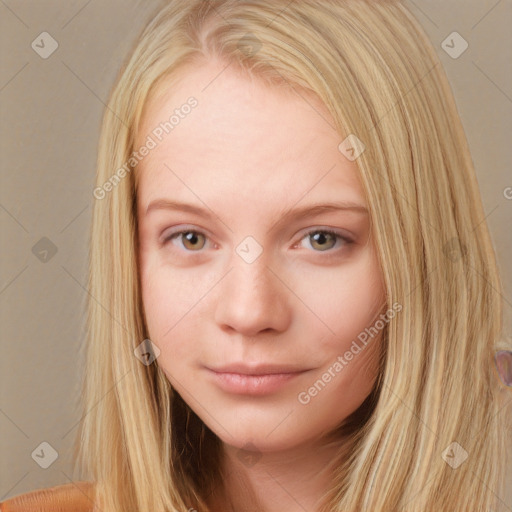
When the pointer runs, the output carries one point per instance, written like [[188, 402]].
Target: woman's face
[[256, 310]]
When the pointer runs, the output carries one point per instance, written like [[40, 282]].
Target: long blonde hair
[[380, 78]]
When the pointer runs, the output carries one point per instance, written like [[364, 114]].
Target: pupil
[[320, 238], [191, 237]]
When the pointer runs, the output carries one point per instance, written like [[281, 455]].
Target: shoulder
[[72, 497]]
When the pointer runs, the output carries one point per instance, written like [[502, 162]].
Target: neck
[[293, 480]]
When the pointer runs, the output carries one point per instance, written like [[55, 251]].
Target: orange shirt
[[72, 497]]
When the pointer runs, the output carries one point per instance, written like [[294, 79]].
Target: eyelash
[[336, 234]]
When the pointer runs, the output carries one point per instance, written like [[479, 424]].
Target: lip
[[242, 379]]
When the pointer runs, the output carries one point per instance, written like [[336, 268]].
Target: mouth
[[253, 380]]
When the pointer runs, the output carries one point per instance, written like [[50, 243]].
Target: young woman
[[295, 303]]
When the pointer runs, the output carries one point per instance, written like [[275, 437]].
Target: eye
[[322, 240], [191, 240], [325, 239]]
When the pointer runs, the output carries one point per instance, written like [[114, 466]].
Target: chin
[[265, 432]]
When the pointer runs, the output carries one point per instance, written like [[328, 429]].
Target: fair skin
[[247, 153]]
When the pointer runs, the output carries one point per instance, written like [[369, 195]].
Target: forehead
[[245, 138]]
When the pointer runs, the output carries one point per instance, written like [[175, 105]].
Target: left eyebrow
[[317, 209]]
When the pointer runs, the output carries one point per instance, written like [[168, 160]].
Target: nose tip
[[252, 300]]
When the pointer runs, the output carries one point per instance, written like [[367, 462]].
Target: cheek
[[160, 297], [351, 308], [173, 301], [348, 299]]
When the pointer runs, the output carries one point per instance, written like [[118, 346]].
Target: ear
[[503, 360]]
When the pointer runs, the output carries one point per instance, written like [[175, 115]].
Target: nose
[[251, 299]]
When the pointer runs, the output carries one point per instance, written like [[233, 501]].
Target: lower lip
[[241, 384]]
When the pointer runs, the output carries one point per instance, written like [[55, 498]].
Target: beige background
[[51, 110]]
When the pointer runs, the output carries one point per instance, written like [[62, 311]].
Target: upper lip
[[257, 369]]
